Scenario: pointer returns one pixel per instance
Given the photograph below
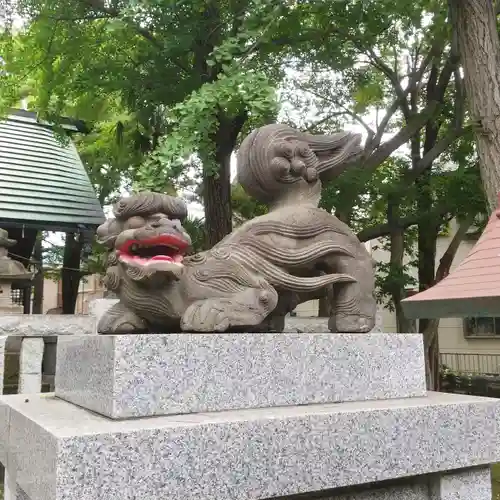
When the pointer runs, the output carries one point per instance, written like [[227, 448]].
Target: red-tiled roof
[[472, 289]]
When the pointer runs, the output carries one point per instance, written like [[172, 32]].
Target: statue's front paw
[[205, 316], [119, 328], [351, 323], [118, 320]]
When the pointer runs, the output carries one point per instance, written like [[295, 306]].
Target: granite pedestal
[[381, 443], [145, 375]]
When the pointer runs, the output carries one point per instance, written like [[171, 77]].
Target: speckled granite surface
[[40, 325], [473, 484], [62, 452], [142, 375], [468, 484]]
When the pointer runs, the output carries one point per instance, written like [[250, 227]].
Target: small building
[[471, 292], [43, 185]]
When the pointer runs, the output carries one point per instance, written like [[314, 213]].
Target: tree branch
[[402, 137], [315, 125], [375, 142], [447, 259], [380, 230], [237, 21], [440, 147], [394, 79], [345, 110]]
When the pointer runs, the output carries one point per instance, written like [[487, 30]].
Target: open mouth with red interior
[[163, 248]]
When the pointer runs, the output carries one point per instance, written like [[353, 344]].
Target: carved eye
[[284, 149], [176, 224], [311, 175], [281, 166], [135, 222], [303, 150], [298, 167]]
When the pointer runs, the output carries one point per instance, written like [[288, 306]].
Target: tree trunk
[[403, 324], [71, 272], [430, 333], [428, 230], [217, 186], [217, 200], [427, 240], [397, 247], [38, 281], [479, 48]]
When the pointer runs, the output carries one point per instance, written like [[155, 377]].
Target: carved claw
[[120, 320], [350, 324], [205, 316], [247, 308]]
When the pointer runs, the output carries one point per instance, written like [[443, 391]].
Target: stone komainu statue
[[261, 271]]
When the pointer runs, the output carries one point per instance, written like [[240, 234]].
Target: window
[[17, 296], [482, 327]]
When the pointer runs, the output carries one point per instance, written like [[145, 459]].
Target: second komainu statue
[[261, 271]]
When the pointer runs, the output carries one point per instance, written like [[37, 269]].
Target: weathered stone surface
[[473, 484], [419, 491], [38, 325], [3, 340], [98, 307], [315, 324], [142, 375], [302, 324], [469, 484], [20, 495], [60, 451], [30, 365], [10, 269], [297, 324], [30, 360]]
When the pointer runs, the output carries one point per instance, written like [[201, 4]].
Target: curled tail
[[276, 158]]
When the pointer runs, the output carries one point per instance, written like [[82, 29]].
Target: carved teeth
[[135, 248]]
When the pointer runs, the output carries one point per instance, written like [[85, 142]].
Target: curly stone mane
[[274, 156], [149, 203]]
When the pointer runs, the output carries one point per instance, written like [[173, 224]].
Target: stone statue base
[[122, 376], [403, 443], [255, 453]]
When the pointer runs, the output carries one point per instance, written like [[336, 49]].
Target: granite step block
[[123, 376]]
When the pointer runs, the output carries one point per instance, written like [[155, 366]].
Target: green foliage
[[191, 75], [96, 263], [392, 279], [244, 205], [150, 57], [195, 122], [112, 153], [195, 227], [159, 81], [52, 257]]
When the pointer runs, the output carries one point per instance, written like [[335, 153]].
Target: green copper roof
[[42, 182]]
